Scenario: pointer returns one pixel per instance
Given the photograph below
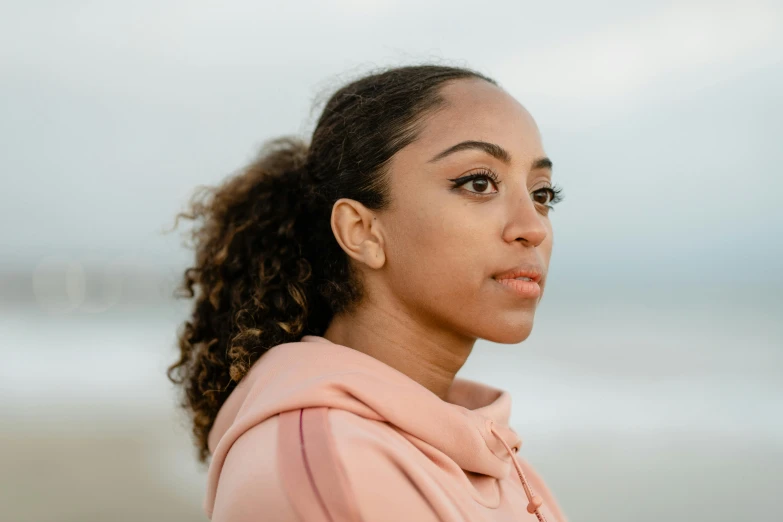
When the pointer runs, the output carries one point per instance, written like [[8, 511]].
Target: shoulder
[[380, 468], [249, 485], [319, 464], [356, 467]]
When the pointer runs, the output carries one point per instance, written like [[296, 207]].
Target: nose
[[525, 223]]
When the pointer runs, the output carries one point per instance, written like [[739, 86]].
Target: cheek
[[435, 252]]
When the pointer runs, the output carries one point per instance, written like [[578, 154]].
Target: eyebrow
[[494, 150]]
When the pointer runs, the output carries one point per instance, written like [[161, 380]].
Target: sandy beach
[[143, 469]]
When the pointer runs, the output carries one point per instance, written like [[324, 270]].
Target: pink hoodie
[[317, 431]]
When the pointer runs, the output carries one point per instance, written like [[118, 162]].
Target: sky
[[664, 120]]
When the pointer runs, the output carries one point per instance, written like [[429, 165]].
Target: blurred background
[[651, 386]]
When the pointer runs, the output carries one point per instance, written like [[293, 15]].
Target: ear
[[358, 231]]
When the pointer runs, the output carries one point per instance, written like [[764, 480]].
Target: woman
[[339, 287]]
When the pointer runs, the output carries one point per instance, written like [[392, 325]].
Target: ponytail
[[251, 282]]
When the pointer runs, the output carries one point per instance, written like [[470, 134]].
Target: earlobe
[[358, 233], [375, 256]]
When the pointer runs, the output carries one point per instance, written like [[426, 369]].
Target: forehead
[[478, 110]]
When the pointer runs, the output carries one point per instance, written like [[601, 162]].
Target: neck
[[428, 355]]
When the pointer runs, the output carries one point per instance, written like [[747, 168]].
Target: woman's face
[[446, 242]]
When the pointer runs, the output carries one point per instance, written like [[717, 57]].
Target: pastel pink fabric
[[317, 431]]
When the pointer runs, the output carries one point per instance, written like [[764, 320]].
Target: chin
[[510, 334]]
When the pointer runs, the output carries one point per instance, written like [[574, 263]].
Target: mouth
[[523, 281], [526, 274], [524, 287]]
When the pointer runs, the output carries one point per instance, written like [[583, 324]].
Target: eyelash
[[555, 190]]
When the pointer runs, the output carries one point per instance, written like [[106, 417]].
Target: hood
[[470, 426]]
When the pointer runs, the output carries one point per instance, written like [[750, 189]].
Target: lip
[[527, 289], [532, 271]]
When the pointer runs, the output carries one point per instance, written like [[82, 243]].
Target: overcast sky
[[664, 120]]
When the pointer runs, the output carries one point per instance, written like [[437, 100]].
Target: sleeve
[[322, 465], [381, 486], [250, 489], [337, 466]]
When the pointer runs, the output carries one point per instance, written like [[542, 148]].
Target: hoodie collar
[[480, 402], [318, 372], [475, 414], [470, 426]]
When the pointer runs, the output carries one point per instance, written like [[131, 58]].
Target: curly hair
[[267, 268]]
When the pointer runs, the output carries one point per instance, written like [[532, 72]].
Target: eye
[[548, 196], [480, 184], [480, 181], [543, 196]]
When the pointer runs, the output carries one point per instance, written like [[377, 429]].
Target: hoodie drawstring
[[534, 501]]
